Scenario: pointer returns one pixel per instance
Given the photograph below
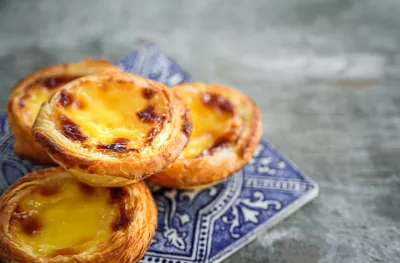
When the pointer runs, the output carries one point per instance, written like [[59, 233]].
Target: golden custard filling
[[38, 92], [64, 218], [113, 115], [212, 117]]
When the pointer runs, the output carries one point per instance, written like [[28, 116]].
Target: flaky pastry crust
[[120, 163], [49, 78], [125, 245], [228, 154]]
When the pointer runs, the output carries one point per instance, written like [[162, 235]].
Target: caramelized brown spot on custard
[[148, 93], [122, 220], [86, 189], [187, 126], [71, 130], [66, 99], [120, 146], [217, 101], [148, 114], [115, 147], [30, 223], [116, 197], [56, 81], [49, 190], [220, 143], [154, 131], [116, 194]]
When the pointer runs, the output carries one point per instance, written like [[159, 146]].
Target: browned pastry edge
[[115, 169], [206, 170], [25, 146], [126, 245]]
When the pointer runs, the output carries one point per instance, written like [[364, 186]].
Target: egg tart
[[226, 131], [49, 216], [29, 94], [113, 129]]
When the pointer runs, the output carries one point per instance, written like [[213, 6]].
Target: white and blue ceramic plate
[[202, 225]]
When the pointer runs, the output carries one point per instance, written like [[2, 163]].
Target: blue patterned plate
[[201, 225]]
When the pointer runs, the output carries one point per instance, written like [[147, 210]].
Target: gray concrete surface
[[325, 74]]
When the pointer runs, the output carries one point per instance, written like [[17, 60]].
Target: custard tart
[[29, 94], [113, 129], [226, 131], [49, 216]]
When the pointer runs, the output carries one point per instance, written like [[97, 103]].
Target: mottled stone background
[[325, 74]]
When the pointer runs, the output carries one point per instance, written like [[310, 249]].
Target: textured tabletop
[[325, 74]]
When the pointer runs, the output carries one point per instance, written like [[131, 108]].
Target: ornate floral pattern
[[249, 211]]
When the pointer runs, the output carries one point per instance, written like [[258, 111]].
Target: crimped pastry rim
[[200, 172], [128, 244]]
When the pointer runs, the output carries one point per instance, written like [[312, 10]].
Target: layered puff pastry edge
[[28, 95], [49, 216], [113, 129], [226, 131]]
